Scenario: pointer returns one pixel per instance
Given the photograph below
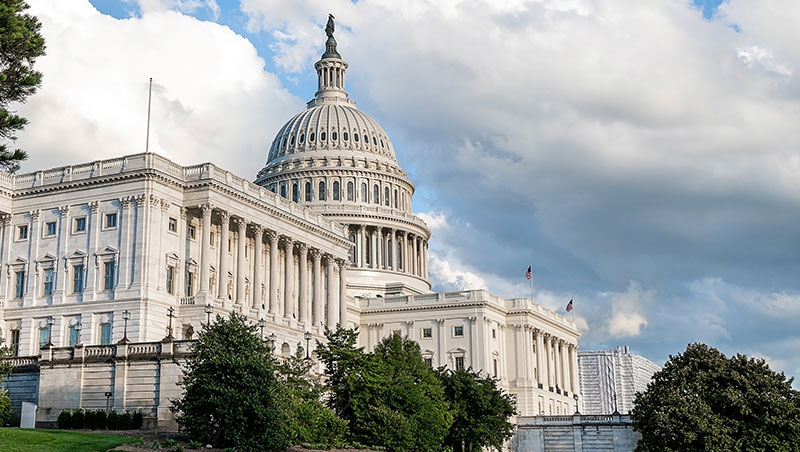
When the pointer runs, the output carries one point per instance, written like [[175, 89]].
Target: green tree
[[389, 397], [704, 401], [5, 368], [481, 411], [20, 45], [310, 422], [233, 396]]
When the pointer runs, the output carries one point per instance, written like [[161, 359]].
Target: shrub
[[137, 420], [5, 407], [78, 419], [64, 419]]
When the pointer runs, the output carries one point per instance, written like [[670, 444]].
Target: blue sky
[[643, 155]]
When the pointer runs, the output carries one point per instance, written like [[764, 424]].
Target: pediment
[[46, 258], [107, 250]]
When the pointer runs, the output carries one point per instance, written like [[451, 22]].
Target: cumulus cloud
[[213, 100]]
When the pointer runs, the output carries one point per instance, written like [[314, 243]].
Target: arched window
[[350, 191], [283, 189], [308, 191], [336, 190], [364, 192], [376, 194], [311, 138], [374, 141], [333, 136], [322, 136], [352, 238], [386, 196], [355, 137], [302, 138], [295, 192], [381, 143], [322, 193], [399, 249], [291, 140], [366, 139], [395, 199], [344, 136]]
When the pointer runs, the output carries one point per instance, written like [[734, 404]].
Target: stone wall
[[22, 385], [577, 433], [139, 376]]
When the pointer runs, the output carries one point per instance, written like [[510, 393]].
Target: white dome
[[331, 127]]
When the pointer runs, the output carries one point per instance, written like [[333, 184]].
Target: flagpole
[[149, 97], [531, 267]]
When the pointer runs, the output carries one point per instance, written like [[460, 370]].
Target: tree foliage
[[6, 411], [481, 411], [703, 401], [389, 397], [310, 422], [233, 396], [20, 44]]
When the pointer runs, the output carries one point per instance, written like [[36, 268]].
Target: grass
[[27, 440]]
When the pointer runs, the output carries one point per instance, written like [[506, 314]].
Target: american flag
[[569, 305], [528, 274]]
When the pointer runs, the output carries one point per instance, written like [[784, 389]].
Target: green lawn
[[26, 440]]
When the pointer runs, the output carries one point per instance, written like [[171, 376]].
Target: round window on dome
[[355, 137], [311, 138], [291, 141], [374, 141], [366, 139], [333, 136], [322, 136], [344, 136], [302, 138]]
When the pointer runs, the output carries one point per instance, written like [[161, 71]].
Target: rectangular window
[[459, 363], [427, 333], [44, 336], [80, 225], [105, 333], [495, 367], [22, 232], [50, 229], [170, 279], [458, 331], [14, 342], [429, 362], [172, 226], [73, 335], [108, 275], [111, 220], [191, 232], [19, 289], [211, 239], [47, 282], [77, 278], [189, 284], [494, 333]]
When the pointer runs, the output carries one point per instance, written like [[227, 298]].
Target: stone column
[[518, 341], [573, 368], [302, 302], [393, 247], [224, 235], [288, 285], [417, 260], [564, 363], [273, 272], [380, 260], [258, 250], [332, 302], [404, 249], [425, 260], [342, 292], [373, 255], [362, 248], [63, 238], [93, 228], [540, 366], [557, 363], [124, 248], [317, 270], [548, 364], [205, 254], [241, 265]]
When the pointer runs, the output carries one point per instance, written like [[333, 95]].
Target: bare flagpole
[[149, 98], [531, 267]]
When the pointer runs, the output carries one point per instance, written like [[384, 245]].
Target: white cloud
[[627, 318], [626, 324], [212, 98]]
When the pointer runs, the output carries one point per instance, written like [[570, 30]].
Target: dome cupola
[[337, 160]]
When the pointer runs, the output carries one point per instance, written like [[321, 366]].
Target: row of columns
[[382, 245], [556, 360], [307, 309]]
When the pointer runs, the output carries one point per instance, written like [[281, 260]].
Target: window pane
[[105, 333], [20, 286], [44, 336], [109, 276], [77, 279]]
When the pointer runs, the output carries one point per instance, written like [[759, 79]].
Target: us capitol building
[[111, 267]]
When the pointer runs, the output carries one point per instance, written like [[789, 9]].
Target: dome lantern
[[330, 71]]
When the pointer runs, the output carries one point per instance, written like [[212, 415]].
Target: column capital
[[124, 201], [165, 204], [154, 200], [286, 240], [315, 253], [257, 228], [272, 236], [302, 247], [240, 223], [5, 219], [363, 227], [224, 214], [206, 209], [329, 259], [34, 214], [340, 262], [518, 327]]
